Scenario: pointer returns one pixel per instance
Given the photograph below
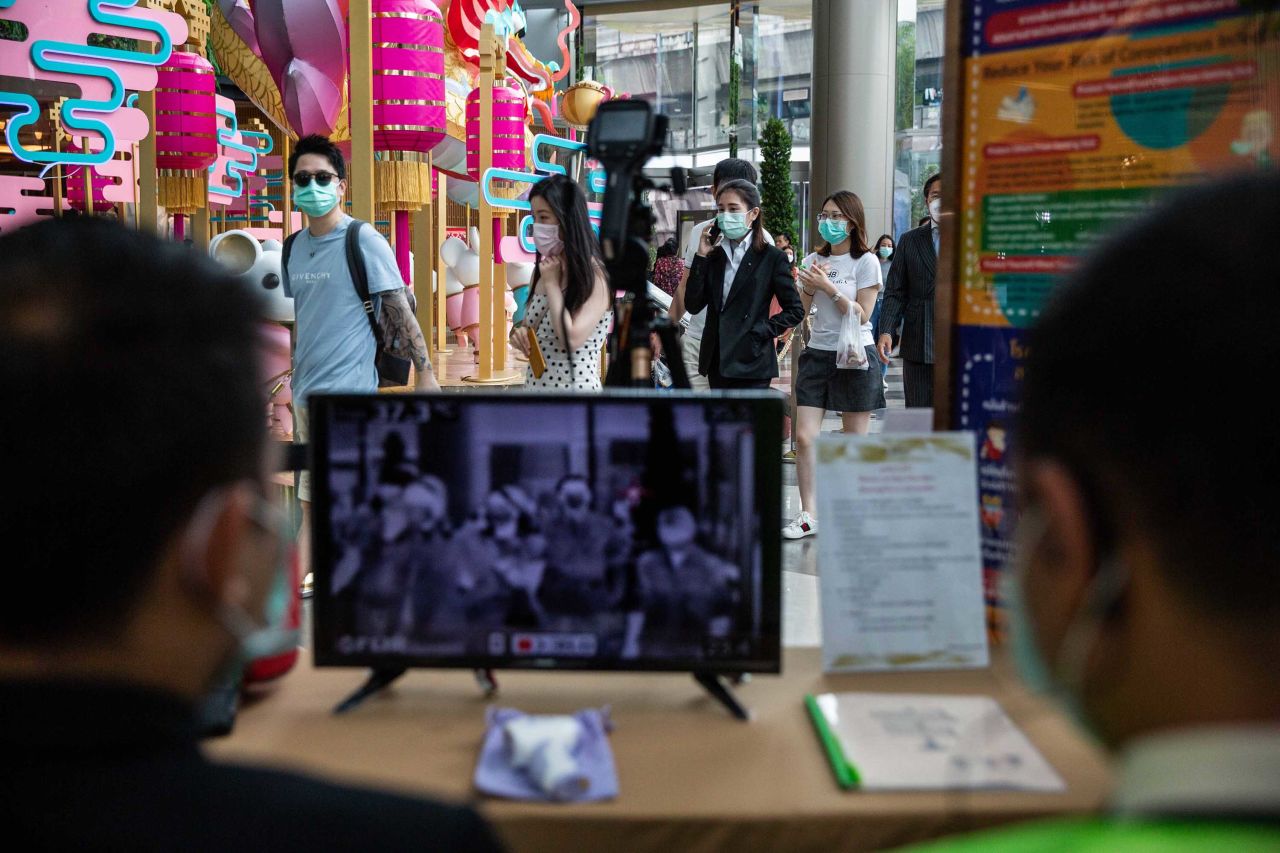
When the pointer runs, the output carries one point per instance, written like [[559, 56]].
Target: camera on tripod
[[623, 136]]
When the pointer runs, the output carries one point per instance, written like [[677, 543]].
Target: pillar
[[854, 48]]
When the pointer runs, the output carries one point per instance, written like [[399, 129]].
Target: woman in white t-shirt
[[842, 277]]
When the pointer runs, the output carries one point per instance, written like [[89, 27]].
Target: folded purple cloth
[[552, 758]]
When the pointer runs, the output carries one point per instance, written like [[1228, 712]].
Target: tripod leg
[[674, 355]]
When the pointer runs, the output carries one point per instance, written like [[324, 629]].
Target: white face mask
[[935, 209], [547, 238]]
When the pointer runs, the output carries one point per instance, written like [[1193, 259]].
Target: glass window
[[918, 106], [711, 77], [779, 63]]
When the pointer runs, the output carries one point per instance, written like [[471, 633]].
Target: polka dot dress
[[585, 375]]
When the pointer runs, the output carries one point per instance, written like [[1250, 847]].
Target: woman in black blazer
[[736, 275]]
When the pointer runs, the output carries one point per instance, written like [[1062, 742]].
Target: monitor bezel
[[767, 427]]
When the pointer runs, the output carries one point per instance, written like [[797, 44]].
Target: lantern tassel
[[181, 191], [402, 184]]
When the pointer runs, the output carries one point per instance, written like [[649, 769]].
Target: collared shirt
[[694, 323], [937, 237], [735, 251], [1221, 771]]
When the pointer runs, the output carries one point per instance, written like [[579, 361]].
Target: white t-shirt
[[850, 276], [694, 323]]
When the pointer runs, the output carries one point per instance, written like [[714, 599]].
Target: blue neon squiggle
[[40, 57], [235, 169]]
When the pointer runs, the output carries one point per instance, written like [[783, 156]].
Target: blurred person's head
[[574, 497], [732, 169], [668, 248], [676, 528], [1148, 595], [319, 175], [137, 542], [426, 501], [738, 203], [561, 226]]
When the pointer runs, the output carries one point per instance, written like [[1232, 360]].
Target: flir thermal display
[[633, 531]]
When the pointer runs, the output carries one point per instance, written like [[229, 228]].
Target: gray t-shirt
[[335, 347], [849, 276]]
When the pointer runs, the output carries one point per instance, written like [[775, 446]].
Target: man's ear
[[212, 547], [1064, 562]]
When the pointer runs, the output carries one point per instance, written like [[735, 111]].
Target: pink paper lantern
[[75, 192], [508, 129], [186, 118], [408, 76]]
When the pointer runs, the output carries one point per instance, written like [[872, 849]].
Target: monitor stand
[[723, 693], [383, 677]]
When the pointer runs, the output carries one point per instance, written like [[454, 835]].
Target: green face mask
[[733, 225], [315, 200], [833, 230]]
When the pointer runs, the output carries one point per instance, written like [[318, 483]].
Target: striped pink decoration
[[508, 128], [408, 75], [75, 189], [186, 121]]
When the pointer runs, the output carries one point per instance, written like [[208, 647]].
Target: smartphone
[[714, 232]]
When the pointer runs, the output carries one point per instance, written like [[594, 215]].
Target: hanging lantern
[[75, 193], [186, 117], [508, 128], [408, 108]]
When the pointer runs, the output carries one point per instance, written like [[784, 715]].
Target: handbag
[[537, 363], [393, 371]]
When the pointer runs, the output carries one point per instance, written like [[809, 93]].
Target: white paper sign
[[919, 742], [899, 555]]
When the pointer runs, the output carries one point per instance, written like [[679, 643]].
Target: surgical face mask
[[315, 200], [935, 209], [834, 230], [268, 636], [884, 252], [1061, 676], [547, 238], [733, 225]]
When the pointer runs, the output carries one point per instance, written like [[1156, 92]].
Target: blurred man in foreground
[[1148, 595], [141, 559]]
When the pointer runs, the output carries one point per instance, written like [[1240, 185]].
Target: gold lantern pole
[[424, 259], [361, 106], [442, 205], [55, 121], [286, 187]]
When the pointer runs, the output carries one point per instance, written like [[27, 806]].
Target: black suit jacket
[[97, 767], [739, 327], [908, 295]]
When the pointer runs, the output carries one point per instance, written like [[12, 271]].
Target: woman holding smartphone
[[841, 278], [736, 275], [569, 308]]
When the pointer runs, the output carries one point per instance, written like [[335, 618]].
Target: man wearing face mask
[[685, 593], [143, 560], [580, 544], [1147, 596], [908, 298], [506, 560], [335, 348]]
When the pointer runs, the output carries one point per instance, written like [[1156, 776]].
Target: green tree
[[906, 75], [777, 196]]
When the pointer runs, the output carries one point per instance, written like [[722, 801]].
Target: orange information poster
[[1077, 112]]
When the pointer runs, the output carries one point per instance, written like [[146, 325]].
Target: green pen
[[846, 773]]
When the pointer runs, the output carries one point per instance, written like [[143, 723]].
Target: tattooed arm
[[403, 337]]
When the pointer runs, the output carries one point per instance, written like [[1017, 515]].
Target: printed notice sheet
[[900, 562], [910, 742]]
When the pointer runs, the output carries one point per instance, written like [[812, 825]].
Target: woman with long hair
[[841, 278], [736, 275], [569, 306]]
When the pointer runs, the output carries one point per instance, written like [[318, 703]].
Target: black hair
[[668, 248], [1143, 457], [317, 144], [733, 169], [129, 371], [750, 196], [924, 220], [928, 182], [582, 259]]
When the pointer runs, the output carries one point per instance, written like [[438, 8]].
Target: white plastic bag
[[850, 353]]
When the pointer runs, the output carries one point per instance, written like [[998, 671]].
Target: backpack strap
[[284, 255], [360, 278]]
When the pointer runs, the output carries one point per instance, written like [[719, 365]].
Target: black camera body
[[622, 136]]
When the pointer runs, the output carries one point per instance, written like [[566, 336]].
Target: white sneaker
[[803, 525]]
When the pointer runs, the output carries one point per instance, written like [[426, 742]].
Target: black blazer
[[908, 294], [740, 329], [99, 767]]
